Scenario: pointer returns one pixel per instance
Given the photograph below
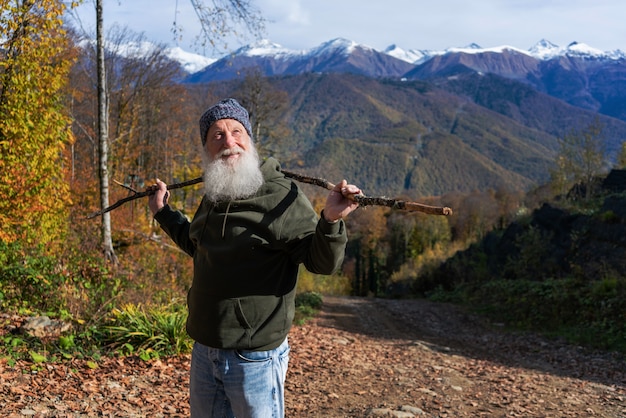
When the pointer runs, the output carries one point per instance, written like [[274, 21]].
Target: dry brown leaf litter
[[360, 357]]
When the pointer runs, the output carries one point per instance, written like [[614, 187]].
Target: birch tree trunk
[[216, 18], [103, 137]]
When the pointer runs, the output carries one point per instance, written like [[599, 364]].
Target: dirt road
[[372, 357], [359, 358]]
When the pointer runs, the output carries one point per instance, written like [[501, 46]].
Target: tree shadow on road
[[449, 329]]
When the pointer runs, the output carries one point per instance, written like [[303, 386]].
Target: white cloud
[[290, 12]]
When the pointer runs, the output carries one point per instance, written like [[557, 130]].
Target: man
[[253, 228]]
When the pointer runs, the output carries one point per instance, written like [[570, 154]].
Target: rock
[[413, 410], [427, 391], [43, 326], [385, 412]]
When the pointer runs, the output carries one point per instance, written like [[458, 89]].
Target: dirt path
[[359, 358], [372, 357]]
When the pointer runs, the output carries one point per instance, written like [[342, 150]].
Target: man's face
[[226, 140], [231, 163]]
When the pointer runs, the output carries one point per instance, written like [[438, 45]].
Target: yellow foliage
[[33, 127], [326, 285]]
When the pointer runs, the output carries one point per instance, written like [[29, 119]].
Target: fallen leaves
[[360, 357], [118, 387], [388, 358]]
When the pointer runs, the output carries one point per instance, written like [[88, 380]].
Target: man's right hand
[[160, 197]]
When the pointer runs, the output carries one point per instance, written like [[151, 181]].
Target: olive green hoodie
[[246, 255]]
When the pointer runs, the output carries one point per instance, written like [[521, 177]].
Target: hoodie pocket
[[241, 315]]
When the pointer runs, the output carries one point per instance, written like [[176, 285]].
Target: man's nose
[[229, 140]]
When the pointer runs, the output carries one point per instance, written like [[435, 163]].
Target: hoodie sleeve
[[313, 241], [327, 248], [176, 225]]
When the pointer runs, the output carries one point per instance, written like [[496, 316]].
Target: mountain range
[[422, 122], [542, 50], [578, 74]]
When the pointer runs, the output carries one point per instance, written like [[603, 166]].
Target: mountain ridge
[[542, 50], [578, 74]]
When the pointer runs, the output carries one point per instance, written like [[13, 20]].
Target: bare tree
[[218, 19], [266, 104], [103, 137]]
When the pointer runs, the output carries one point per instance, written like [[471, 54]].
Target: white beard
[[225, 181]]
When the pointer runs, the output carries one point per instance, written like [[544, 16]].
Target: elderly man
[[253, 228]]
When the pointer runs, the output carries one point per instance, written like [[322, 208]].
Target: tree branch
[[138, 195], [373, 201], [360, 199]]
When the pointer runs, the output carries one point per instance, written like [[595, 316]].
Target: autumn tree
[[367, 249], [621, 158], [149, 116], [151, 121], [34, 129], [580, 159], [266, 105], [218, 19]]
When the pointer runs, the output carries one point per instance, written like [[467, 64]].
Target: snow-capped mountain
[[577, 73], [343, 55], [543, 50], [337, 55], [340, 45], [414, 56], [265, 48], [190, 62], [546, 50]]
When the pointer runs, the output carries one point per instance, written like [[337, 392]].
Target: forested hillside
[[560, 269], [422, 139]]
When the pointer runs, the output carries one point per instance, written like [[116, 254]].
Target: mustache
[[230, 151]]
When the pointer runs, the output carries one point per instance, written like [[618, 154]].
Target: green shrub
[[148, 332], [74, 283], [307, 305], [311, 299], [586, 312], [609, 217], [327, 285]]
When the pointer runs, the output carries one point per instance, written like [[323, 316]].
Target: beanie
[[224, 109]]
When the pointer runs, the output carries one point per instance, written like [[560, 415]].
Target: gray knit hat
[[224, 109]]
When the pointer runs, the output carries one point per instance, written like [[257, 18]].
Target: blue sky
[[411, 24]]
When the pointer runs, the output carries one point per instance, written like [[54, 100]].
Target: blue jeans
[[238, 383]]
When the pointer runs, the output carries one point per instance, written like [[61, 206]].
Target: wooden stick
[[373, 201], [138, 195], [360, 199]]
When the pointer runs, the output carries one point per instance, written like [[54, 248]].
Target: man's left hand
[[339, 202]]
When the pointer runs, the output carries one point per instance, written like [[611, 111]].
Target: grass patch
[[147, 332], [586, 312]]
